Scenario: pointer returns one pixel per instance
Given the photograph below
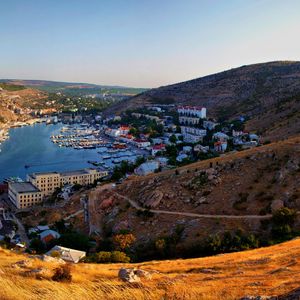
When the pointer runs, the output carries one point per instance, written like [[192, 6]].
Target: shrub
[[103, 257], [55, 254], [62, 274], [108, 257], [123, 241], [119, 257], [282, 222]]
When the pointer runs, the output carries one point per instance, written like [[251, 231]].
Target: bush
[[55, 254], [282, 222], [62, 274], [123, 241], [37, 245], [108, 257], [103, 257], [119, 257]]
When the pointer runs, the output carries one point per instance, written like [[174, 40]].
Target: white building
[[195, 111], [141, 143], [122, 130], [192, 134]]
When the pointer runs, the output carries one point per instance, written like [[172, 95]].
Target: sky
[[142, 43]]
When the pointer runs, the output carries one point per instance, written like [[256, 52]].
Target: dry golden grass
[[267, 271]]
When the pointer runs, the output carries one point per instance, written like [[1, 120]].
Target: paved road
[[194, 215], [21, 231]]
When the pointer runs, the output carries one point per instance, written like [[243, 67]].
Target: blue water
[[31, 145]]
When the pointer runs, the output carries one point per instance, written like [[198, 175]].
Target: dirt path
[[188, 214]]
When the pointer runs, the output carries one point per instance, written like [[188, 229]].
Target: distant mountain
[[73, 87], [268, 93]]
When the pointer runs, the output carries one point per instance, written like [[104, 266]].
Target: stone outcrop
[[133, 275]]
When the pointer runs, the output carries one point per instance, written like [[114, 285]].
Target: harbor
[[60, 147]]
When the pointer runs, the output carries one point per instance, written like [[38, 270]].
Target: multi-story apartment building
[[184, 120], [192, 134], [192, 111], [48, 182], [24, 194]]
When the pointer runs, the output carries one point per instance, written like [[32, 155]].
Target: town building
[[185, 120], [141, 143], [192, 134], [220, 146], [220, 136], [48, 182], [49, 235], [192, 111], [24, 194], [116, 132], [158, 148]]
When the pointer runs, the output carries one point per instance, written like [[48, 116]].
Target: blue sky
[[142, 43]]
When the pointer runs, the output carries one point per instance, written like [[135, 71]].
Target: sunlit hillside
[[267, 271]]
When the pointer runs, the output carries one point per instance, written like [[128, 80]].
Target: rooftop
[[24, 187], [66, 173]]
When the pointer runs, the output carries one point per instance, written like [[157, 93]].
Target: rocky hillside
[[268, 93], [272, 273], [235, 191], [16, 102]]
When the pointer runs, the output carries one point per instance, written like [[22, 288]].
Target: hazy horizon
[[137, 44]]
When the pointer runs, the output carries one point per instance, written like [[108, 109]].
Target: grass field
[[267, 271]]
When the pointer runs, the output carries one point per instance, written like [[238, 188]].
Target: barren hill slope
[[268, 93], [271, 271], [234, 191], [15, 99]]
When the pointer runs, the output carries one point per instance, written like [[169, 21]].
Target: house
[[49, 235], [200, 148], [158, 148], [147, 168], [220, 146], [67, 254], [187, 149], [141, 143], [220, 136]]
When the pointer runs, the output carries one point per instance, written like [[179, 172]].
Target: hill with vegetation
[[271, 272], [268, 94], [74, 88]]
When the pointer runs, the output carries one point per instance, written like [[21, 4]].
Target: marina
[[57, 147]]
